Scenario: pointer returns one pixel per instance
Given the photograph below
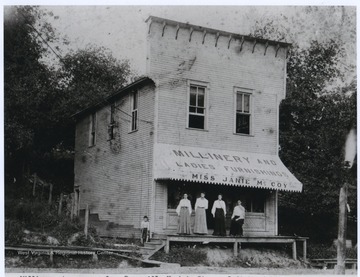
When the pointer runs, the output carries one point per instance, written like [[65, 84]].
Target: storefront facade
[[204, 120], [255, 179]]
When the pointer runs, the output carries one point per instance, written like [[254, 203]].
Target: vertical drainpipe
[[152, 183], [277, 153], [277, 134]]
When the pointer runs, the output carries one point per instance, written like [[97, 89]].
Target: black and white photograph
[[179, 140]]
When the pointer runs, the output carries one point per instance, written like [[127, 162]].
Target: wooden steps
[[150, 248]]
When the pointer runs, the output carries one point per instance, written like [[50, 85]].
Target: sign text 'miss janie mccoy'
[[233, 169]]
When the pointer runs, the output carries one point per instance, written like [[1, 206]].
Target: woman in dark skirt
[[184, 211], [219, 212], [237, 220]]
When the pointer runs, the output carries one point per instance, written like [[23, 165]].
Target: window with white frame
[[134, 110], [243, 113], [197, 107], [92, 129], [111, 125]]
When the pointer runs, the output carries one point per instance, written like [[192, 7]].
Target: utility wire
[[61, 59]]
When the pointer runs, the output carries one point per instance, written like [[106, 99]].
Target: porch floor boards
[[238, 240]]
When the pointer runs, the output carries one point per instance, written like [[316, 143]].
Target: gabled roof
[[133, 86]]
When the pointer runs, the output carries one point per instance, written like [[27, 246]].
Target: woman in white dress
[[184, 211], [201, 206]]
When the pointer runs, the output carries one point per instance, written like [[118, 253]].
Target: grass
[[327, 251], [185, 256]]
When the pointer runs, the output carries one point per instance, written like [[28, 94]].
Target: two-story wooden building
[[206, 118]]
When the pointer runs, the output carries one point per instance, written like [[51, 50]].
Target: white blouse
[[201, 203], [218, 204], [184, 203], [238, 211], [145, 224]]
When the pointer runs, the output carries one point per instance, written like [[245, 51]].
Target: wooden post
[[95, 257], [50, 193], [51, 256], [167, 246], [42, 191], [78, 205], [34, 185], [60, 203], [235, 248], [294, 250], [304, 250], [72, 209], [86, 220], [341, 241]]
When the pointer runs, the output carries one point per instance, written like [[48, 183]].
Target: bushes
[[327, 251], [183, 256], [33, 214], [14, 232], [65, 229], [42, 220]]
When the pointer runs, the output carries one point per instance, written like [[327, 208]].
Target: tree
[[26, 84], [315, 118], [88, 76], [40, 98]]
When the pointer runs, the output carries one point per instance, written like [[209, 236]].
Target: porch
[[237, 241]]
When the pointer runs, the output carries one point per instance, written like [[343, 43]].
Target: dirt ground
[[184, 270], [219, 261]]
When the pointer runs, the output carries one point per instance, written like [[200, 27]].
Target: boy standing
[[145, 230]]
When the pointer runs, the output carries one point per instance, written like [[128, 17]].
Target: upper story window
[[111, 126], [243, 113], [92, 129], [197, 107], [134, 110]]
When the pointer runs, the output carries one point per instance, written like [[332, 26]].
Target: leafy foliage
[[326, 251], [315, 117], [90, 75], [14, 234], [27, 79], [39, 99]]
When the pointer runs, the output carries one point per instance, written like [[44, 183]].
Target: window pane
[[247, 204], [246, 103], [93, 122], [134, 121], [239, 102], [200, 110], [92, 140], [201, 97], [192, 109], [258, 204], [242, 123], [196, 121], [193, 92], [112, 114], [135, 100]]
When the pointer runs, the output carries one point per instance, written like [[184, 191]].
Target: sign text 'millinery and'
[[236, 160]]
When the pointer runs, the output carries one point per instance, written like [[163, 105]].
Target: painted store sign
[[223, 167]]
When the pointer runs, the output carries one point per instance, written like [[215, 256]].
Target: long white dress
[[201, 206], [184, 211]]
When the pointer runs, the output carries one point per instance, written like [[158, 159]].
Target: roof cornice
[[216, 32]]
